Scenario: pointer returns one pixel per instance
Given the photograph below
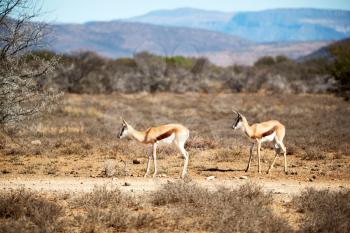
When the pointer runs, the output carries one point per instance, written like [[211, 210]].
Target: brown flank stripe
[[267, 133], [165, 135]]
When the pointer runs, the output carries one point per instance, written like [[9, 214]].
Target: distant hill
[[324, 52], [187, 17], [123, 39], [277, 25], [291, 25], [118, 39]]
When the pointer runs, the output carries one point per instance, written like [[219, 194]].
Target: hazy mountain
[[277, 25], [291, 25], [249, 55], [116, 39], [324, 52], [123, 39], [187, 17]]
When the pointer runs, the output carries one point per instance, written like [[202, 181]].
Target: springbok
[[176, 133], [261, 132]]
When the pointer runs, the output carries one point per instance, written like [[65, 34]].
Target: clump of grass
[[178, 193], [226, 154], [313, 154], [23, 211], [201, 143], [246, 209], [324, 211], [105, 209], [109, 168]]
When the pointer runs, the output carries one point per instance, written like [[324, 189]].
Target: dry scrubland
[[176, 207], [79, 140]]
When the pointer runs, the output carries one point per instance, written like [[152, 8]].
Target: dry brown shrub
[[226, 154], [201, 143], [34, 213], [313, 154], [324, 211], [246, 209], [105, 209]]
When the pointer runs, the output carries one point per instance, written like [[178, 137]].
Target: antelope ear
[[126, 123]]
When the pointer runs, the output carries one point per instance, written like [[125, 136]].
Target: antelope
[[169, 133], [262, 132]]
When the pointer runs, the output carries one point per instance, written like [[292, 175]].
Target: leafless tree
[[21, 70]]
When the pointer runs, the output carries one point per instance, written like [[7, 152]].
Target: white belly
[[168, 140], [269, 138]]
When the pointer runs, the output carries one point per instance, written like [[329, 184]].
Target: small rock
[[36, 142], [313, 177], [115, 178], [243, 177], [126, 184], [210, 178], [310, 179], [135, 161]]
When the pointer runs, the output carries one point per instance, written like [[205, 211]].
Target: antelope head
[[237, 121], [123, 132]]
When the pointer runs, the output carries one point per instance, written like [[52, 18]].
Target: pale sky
[[79, 11]]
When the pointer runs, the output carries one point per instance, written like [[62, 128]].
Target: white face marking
[[239, 125], [123, 132]]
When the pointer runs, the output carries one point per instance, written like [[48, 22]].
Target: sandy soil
[[145, 185]]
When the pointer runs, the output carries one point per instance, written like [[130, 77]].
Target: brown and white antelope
[[262, 132], [170, 133]]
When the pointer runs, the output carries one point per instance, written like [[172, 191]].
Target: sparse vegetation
[[324, 211], [21, 72], [340, 67], [87, 72], [23, 211], [246, 209], [89, 145]]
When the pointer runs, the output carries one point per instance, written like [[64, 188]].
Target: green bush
[[340, 68], [265, 61], [179, 62]]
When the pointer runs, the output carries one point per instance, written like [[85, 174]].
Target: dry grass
[[180, 206], [246, 209], [109, 210], [324, 211], [81, 134], [23, 211]]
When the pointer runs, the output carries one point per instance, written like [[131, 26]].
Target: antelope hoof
[[154, 175], [146, 175]]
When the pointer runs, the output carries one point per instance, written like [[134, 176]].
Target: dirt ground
[[75, 148], [78, 139], [140, 186]]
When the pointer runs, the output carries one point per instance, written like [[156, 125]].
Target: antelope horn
[[236, 112]]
